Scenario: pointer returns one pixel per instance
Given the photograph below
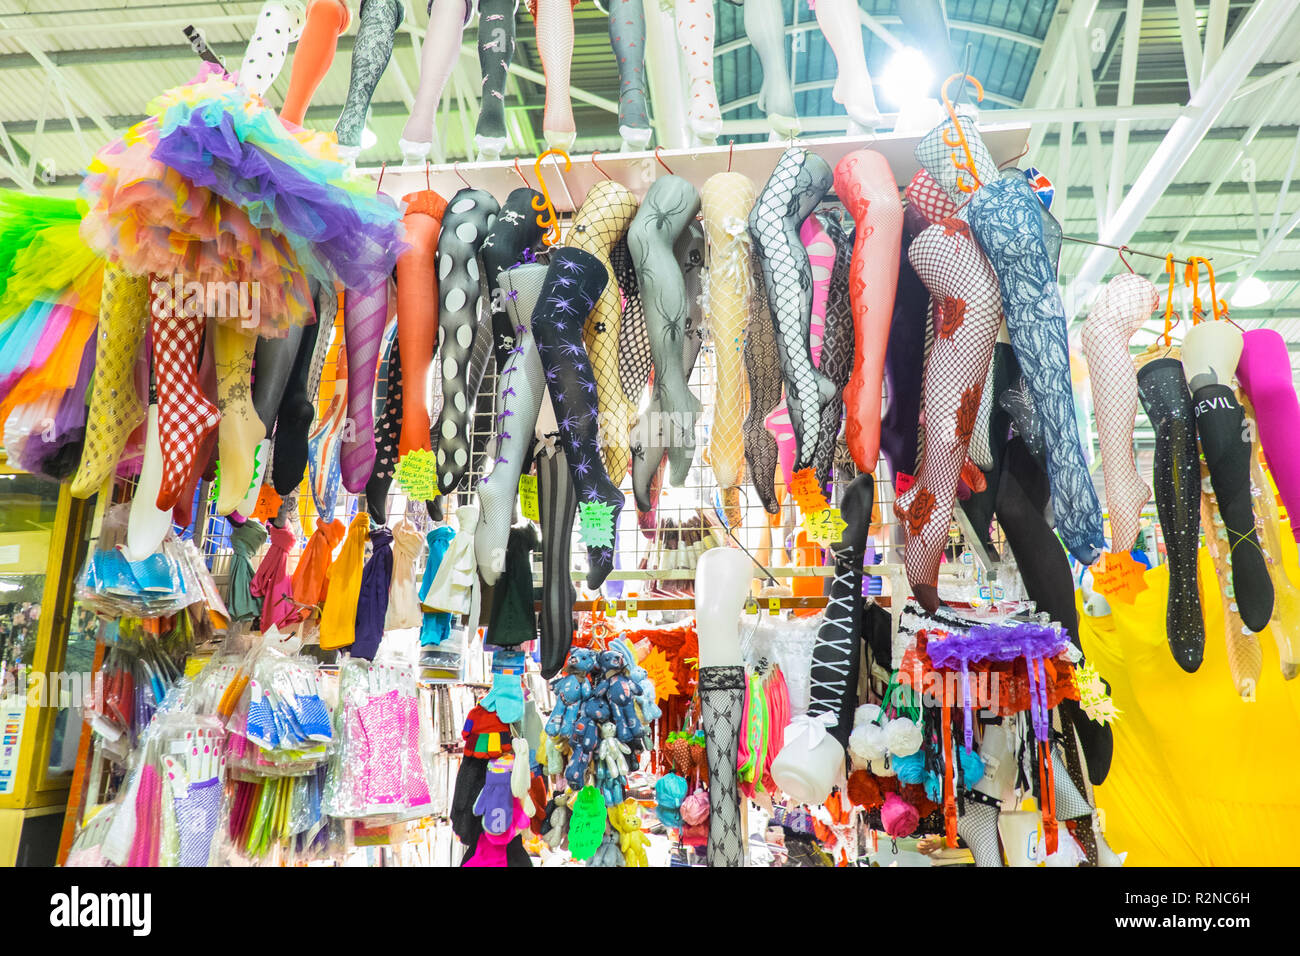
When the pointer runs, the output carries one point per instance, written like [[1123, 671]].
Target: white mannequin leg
[[695, 31], [437, 60], [842, 28], [279, 23]]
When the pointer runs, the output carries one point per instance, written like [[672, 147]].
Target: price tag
[[528, 498], [611, 607], [1118, 575], [774, 605], [825, 526], [630, 607], [417, 474]]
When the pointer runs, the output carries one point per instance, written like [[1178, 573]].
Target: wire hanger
[[455, 168], [427, 184], [956, 135], [1127, 265], [379, 186], [659, 160], [520, 173], [731, 153], [594, 154]]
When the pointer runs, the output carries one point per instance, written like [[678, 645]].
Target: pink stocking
[[1264, 372], [969, 310], [866, 186], [554, 21], [438, 58], [1124, 306]]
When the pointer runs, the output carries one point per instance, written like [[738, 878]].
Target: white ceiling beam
[[1202, 204], [1286, 186], [1092, 132], [1189, 35], [1047, 87], [1269, 250], [1263, 21], [1128, 62], [1216, 30]]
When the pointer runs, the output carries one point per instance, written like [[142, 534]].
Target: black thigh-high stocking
[[557, 504], [837, 654], [273, 362], [470, 214], [1222, 425], [1177, 483], [668, 209], [370, 55], [634, 358], [799, 182], [388, 432], [905, 361], [513, 234], [496, 48], [979, 507], [574, 281], [294, 418]]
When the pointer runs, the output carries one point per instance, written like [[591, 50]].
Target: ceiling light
[[1250, 293], [907, 77]]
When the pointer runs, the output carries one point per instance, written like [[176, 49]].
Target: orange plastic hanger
[[956, 136]]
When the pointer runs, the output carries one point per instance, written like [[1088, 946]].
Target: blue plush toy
[[648, 702], [570, 691], [585, 739], [622, 694]]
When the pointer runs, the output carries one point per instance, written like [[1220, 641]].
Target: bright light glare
[[1250, 293], [368, 137], [907, 77]]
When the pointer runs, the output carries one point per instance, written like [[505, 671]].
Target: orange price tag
[[1118, 575]]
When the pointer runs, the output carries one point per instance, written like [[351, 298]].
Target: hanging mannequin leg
[[1006, 221], [370, 55], [521, 387], [240, 430], [837, 348], [554, 22], [865, 182], [695, 32], [961, 280], [364, 313], [798, 183], [1245, 657], [470, 215], [557, 505], [905, 369], [279, 23], [765, 28], [627, 37], [388, 431], [763, 365], [1264, 372], [496, 50], [722, 694], [437, 60], [842, 27], [184, 415], [326, 22], [574, 280], [417, 313], [295, 416]]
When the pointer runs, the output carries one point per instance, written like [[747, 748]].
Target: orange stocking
[[326, 22]]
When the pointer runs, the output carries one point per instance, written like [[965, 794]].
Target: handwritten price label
[[1118, 575], [528, 498], [596, 524], [825, 527], [417, 474]]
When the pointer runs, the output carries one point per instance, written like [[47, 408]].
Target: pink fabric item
[[1264, 372], [415, 785], [821, 256], [381, 722], [272, 583], [1123, 307], [865, 183], [968, 312], [491, 848], [898, 817]]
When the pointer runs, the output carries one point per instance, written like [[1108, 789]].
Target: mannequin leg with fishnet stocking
[[185, 416], [554, 22], [763, 364]]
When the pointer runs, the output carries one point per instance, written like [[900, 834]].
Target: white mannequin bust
[[722, 581]]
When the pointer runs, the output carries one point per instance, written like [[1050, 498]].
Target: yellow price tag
[[611, 607], [774, 605], [751, 606], [528, 497], [825, 527], [631, 608]]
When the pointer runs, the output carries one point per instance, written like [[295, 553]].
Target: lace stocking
[[837, 347], [1006, 221], [370, 55], [722, 695], [634, 356], [240, 430], [865, 183], [726, 201], [798, 183]]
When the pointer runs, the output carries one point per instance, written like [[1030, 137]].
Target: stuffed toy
[[621, 693], [556, 757], [625, 817], [555, 828], [612, 763], [609, 854], [585, 738], [647, 703], [570, 692]]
